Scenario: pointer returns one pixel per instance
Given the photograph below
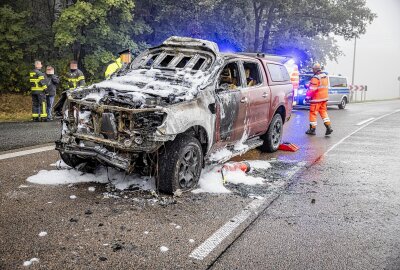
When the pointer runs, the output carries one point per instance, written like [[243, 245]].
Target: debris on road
[[41, 234], [164, 249], [72, 197], [31, 261], [92, 189], [116, 247]]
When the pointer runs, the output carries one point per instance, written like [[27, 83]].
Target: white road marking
[[26, 152], [365, 121], [223, 232], [357, 130]]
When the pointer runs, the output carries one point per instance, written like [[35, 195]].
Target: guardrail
[[354, 89]]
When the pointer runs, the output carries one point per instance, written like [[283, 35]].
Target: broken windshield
[[174, 59]]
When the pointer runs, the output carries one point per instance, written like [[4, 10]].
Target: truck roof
[[249, 56]]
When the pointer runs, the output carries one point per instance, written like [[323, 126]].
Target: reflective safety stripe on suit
[[321, 108], [74, 81], [38, 88]]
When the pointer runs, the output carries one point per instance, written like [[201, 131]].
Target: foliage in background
[[93, 31], [15, 43]]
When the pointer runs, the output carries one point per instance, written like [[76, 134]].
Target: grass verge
[[15, 107]]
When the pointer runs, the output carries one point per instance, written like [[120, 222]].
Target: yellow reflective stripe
[[41, 77], [44, 112], [38, 88], [81, 78], [34, 80], [35, 115]]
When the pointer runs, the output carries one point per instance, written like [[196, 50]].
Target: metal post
[[365, 93], [354, 67], [354, 61]]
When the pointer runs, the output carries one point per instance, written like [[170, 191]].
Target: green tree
[[93, 31], [15, 45]]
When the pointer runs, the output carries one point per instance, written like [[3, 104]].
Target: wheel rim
[[188, 169], [343, 103], [276, 133]]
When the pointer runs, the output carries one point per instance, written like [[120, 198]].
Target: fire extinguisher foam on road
[[234, 166]]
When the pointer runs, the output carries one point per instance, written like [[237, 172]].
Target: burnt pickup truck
[[175, 109]]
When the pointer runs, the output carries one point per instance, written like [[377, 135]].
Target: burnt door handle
[[244, 100], [265, 95]]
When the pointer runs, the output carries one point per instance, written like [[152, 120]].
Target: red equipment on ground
[[286, 146]]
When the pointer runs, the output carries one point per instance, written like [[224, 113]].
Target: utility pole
[[354, 66]]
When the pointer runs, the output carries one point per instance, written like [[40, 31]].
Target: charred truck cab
[[173, 109]]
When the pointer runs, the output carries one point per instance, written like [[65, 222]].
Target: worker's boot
[[35, 119], [329, 129], [311, 131]]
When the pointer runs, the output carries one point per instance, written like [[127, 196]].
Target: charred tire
[[272, 138], [71, 160], [179, 165], [343, 103]]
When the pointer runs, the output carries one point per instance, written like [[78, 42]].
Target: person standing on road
[[75, 76], [125, 57], [38, 88], [52, 82], [317, 96]]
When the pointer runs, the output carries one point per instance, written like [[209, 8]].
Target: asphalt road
[[339, 211], [24, 134]]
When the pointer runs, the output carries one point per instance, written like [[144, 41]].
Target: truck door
[[231, 104], [259, 97]]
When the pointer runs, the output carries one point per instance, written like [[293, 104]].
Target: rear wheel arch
[[282, 111]]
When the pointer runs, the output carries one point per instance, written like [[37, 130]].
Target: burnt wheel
[[272, 138], [180, 164], [71, 160]]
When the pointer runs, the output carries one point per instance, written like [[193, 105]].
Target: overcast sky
[[378, 53]]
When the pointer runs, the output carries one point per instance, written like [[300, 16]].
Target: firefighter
[[38, 91], [317, 96], [124, 59], [75, 77], [52, 81]]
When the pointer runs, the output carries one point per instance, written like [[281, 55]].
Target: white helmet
[[317, 66]]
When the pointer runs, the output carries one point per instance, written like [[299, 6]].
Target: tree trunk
[[267, 30], [57, 9], [258, 12]]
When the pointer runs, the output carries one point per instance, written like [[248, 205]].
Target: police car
[[339, 91]]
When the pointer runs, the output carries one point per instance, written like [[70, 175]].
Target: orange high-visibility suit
[[317, 94]]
